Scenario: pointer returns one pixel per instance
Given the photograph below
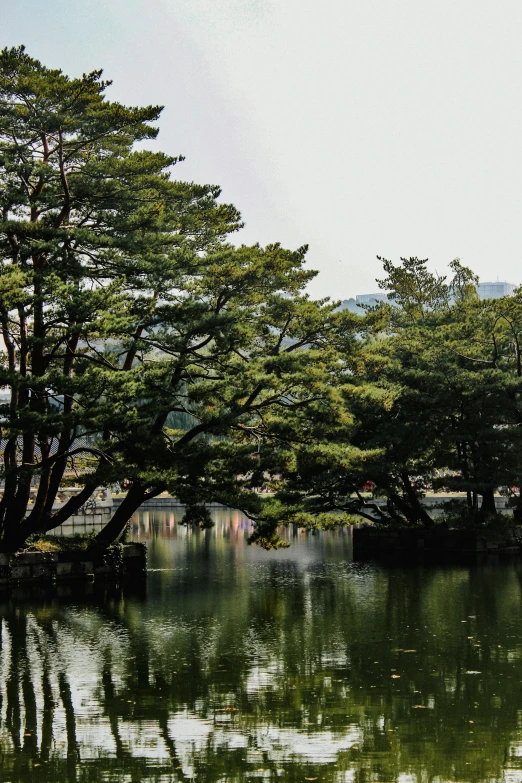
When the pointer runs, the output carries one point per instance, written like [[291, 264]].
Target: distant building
[[484, 290], [495, 290], [361, 301]]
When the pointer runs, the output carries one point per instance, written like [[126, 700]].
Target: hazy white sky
[[390, 127]]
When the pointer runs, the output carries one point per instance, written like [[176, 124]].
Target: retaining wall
[[120, 560], [371, 542], [433, 502], [161, 503]]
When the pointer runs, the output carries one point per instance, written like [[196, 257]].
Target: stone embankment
[[117, 562], [441, 543]]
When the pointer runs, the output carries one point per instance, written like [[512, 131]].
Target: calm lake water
[[234, 664]]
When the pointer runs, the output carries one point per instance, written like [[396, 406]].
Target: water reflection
[[239, 665]]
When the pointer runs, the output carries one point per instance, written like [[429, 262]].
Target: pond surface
[[234, 664]]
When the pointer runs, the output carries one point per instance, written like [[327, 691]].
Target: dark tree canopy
[[124, 311], [432, 392]]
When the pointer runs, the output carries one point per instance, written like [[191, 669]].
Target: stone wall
[[115, 562], [160, 503], [369, 541], [93, 515]]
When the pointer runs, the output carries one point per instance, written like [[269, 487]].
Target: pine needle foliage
[[140, 346]]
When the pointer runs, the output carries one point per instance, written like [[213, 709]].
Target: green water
[[234, 664]]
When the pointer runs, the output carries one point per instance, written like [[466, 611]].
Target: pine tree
[[122, 305]]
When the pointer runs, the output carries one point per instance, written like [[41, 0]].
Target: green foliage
[[415, 290], [197, 515], [141, 347], [431, 398], [38, 543]]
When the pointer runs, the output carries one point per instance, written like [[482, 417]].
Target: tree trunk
[[116, 525], [57, 518], [488, 501], [11, 480], [417, 508], [15, 535]]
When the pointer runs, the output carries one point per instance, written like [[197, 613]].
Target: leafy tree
[[122, 306], [433, 390], [412, 287]]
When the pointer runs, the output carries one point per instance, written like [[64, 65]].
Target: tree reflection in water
[[236, 665]]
